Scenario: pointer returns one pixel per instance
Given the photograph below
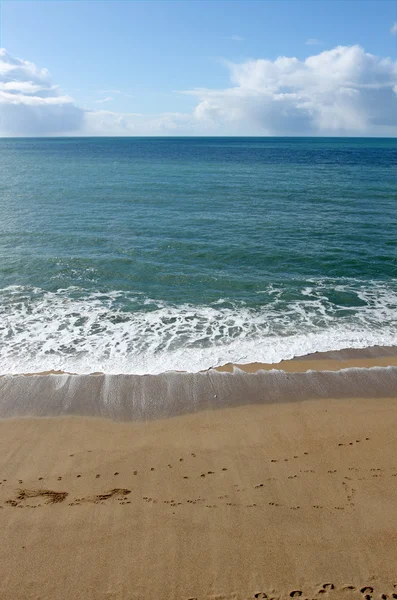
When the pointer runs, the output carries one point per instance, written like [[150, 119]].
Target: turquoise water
[[141, 255]]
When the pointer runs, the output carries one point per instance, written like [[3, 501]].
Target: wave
[[84, 331]]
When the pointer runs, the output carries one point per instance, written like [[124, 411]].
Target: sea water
[[142, 255]]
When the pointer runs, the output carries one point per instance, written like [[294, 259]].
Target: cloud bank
[[30, 104], [339, 91], [343, 91]]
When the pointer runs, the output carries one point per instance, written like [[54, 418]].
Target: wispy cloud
[[120, 92], [235, 38], [393, 29], [107, 99], [313, 42]]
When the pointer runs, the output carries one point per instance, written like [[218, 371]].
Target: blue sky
[[136, 57]]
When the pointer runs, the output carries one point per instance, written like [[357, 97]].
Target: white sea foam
[[121, 332]]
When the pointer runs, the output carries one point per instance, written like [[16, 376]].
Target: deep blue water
[[146, 254]]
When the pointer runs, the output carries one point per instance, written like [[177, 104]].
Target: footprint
[[51, 496], [328, 586], [59, 478], [295, 594], [116, 473], [105, 496], [135, 472], [259, 486], [367, 590], [97, 476], [260, 595]]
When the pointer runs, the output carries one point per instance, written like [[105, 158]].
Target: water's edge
[[136, 397]]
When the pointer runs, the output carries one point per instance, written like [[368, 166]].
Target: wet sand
[[150, 397], [265, 501], [350, 358]]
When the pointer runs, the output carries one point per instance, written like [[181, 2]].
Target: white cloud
[[393, 29], [30, 104], [340, 91], [105, 122], [235, 38], [107, 99], [344, 91], [313, 42]]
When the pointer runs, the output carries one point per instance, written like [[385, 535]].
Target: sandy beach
[[267, 500]]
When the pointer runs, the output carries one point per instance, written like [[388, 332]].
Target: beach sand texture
[[265, 501]]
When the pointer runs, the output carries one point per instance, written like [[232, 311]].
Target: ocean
[[144, 255]]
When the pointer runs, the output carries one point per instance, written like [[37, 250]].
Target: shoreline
[[156, 397], [349, 358], [332, 360]]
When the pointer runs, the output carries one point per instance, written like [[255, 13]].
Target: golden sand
[[266, 501]]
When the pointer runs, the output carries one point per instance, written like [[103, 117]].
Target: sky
[[281, 67]]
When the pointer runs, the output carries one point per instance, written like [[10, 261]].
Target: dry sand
[[264, 501]]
